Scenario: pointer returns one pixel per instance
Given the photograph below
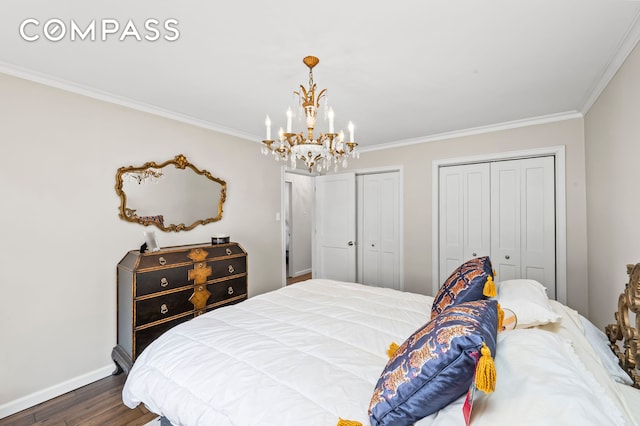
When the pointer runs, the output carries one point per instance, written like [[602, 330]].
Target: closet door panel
[[505, 219], [538, 221], [477, 211], [390, 230], [451, 220], [371, 231], [335, 227], [465, 215], [379, 213]]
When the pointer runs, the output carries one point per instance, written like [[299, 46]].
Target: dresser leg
[[122, 360]]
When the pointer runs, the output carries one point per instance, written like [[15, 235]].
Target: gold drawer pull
[[230, 290], [231, 270], [162, 260], [164, 309], [229, 252], [164, 282]]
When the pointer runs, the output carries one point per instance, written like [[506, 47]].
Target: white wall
[[612, 138], [61, 237], [417, 161]]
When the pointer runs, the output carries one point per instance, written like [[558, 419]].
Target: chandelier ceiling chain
[[322, 152]]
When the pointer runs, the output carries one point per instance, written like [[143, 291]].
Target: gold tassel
[[393, 347], [500, 317], [343, 422], [486, 371], [490, 288]]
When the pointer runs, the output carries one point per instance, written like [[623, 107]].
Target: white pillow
[[528, 300], [600, 343]]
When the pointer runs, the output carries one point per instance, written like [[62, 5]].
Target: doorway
[[376, 236], [298, 208]]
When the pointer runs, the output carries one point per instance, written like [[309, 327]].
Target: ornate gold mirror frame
[[623, 331], [175, 191]]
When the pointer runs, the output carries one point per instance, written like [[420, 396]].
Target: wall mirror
[[174, 195]]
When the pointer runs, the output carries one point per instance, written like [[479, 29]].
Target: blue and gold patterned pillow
[[435, 365], [465, 284]]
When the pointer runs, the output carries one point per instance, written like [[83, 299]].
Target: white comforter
[[311, 353]]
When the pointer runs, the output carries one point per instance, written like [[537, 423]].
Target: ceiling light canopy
[[323, 151]]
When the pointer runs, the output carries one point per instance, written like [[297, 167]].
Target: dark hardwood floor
[[99, 403], [293, 280]]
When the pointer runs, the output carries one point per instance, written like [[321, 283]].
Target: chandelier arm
[[322, 93]]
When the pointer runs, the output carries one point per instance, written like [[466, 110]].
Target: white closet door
[[379, 243], [523, 220], [465, 215], [335, 229], [505, 219]]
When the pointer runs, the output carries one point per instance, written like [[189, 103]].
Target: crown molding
[[550, 118], [627, 45], [47, 80], [93, 93]]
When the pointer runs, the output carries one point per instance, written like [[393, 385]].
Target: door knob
[[507, 257], [350, 243]]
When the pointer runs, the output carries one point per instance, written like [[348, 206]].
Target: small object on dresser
[[219, 239], [151, 240]]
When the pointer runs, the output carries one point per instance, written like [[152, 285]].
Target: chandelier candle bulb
[[350, 131], [289, 116], [267, 122], [331, 116]]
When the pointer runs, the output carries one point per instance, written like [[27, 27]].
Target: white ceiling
[[402, 71]]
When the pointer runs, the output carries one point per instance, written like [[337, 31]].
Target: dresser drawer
[[222, 250], [160, 259], [144, 337], [226, 267], [189, 254], [161, 280], [161, 307], [225, 290]]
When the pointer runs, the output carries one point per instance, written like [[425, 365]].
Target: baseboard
[[303, 272], [43, 395]]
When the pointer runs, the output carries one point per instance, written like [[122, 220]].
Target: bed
[[316, 353]]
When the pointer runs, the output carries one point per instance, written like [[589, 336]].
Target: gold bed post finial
[[623, 331]]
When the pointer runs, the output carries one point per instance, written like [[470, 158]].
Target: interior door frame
[[561, 207], [280, 217]]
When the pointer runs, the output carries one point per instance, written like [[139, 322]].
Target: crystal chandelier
[[323, 151], [147, 175]]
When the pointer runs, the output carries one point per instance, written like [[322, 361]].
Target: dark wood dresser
[[161, 289]]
